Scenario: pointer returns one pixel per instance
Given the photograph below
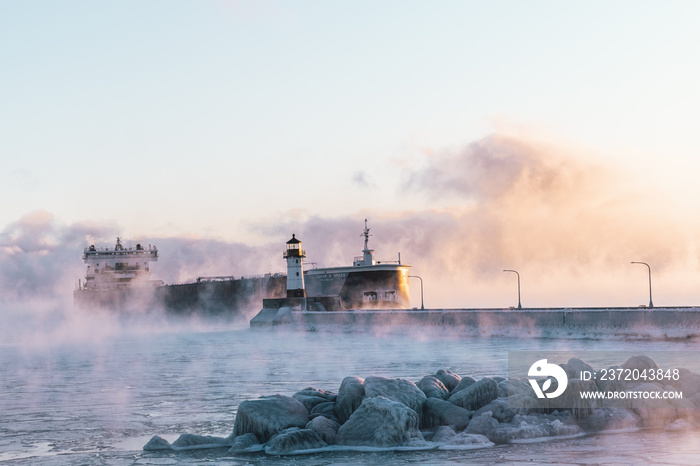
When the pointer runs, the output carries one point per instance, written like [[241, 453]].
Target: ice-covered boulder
[[293, 440], [437, 412], [326, 428], [448, 439], [311, 397], [350, 396], [246, 443], [433, 388], [401, 390], [268, 415], [448, 378], [688, 382], [476, 395], [575, 366], [500, 410], [640, 363], [679, 425], [324, 409], [465, 382], [522, 427], [603, 419], [157, 443], [196, 442], [380, 422]]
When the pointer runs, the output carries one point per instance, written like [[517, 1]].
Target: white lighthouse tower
[[295, 271]]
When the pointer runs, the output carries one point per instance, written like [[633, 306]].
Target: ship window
[[297, 274], [297, 263], [390, 295], [370, 296]]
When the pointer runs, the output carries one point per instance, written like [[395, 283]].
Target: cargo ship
[[119, 279]]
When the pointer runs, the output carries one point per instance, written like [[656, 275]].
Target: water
[[98, 401]]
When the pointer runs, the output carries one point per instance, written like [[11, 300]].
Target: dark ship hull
[[243, 297]]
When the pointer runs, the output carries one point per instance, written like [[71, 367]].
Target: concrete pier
[[661, 322]]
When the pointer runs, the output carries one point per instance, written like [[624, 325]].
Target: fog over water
[[80, 400]]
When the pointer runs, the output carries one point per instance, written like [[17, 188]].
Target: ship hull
[[243, 297]]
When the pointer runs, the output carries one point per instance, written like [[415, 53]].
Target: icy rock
[[641, 363], [268, 415], [575, 366], [522, 427], [311, 397], [448, 378], [443, 434], [476, 395], [465, 382], [572, 398], [246, 443], [464, 439], [157, 443], [380, 422], [484, 424], [438, 412], [350, 396], [433, 388], [679, 425], [293, 440], [326, 428], [499, 410], [401, 390], [194, 442], [610, 419], [309, 401], [688, 382], [324, 409]]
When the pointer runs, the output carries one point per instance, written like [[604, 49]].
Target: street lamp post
[[651, 304], [422, 308], [516, 273]]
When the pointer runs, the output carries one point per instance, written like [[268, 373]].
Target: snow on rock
[[380, 422], [326, 428], [448, 378], [401, 390], [268, 415], [246, 443], [476, 395], [350, 396], [292, 440], [157, 443], [433, 387], [196, 442], [438, 412]]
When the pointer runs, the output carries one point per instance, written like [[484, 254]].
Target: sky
[[555, 138]]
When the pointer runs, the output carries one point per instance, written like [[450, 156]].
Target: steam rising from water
[[569, 226]]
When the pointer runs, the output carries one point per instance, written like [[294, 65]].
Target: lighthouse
[[295, 271]]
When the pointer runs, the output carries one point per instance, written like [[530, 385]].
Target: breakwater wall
[[664, 322]]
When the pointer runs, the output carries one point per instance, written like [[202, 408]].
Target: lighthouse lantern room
[[295, 268]]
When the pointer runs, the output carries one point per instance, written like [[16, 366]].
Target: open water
[[99, 400]]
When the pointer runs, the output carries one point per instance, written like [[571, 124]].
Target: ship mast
[[366, 235]]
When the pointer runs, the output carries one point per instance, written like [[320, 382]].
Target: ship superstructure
[[118, 267], [366, 284]]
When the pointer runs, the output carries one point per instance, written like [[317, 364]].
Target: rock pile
[[443, 411]]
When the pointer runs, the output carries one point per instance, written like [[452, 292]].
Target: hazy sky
[[242, 121]]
